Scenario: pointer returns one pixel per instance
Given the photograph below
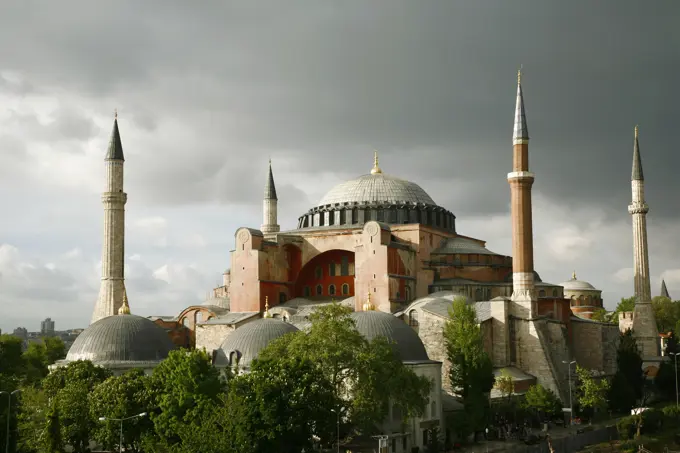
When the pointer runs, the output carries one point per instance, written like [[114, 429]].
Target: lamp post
[[9, 409], [337, 413], [121, 420], [571, 403], [675, 356]]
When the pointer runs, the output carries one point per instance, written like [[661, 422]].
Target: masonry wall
[[211, 336], [587, 344], [430, 332]]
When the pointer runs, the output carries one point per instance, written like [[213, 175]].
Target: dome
[[379, 188], [577, 285], [247, 341], [404, 339], [121, 339]]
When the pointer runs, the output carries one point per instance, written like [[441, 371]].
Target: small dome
[[577, 285], [247, 341], [378, 188], [404, 339], [120, 339]]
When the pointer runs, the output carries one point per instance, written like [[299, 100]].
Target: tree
[[121, 397], [354, 367], [543, 401], [76, 421], [671, 344], [505, 384], [31, 420], [629, 362], [666, 312], [471, 371], [182, 386], [35, 359], [591, 392], [81, 371], [52, 441], [621, 395], [55, 349], [627, 304]]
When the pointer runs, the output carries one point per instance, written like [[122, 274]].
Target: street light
[[571, 403], [9, 408], [675, 356], [121, 420], [337, 413]]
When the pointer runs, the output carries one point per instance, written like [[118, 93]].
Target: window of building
[[331, 290], [344, 266], [319, 290], [282, 297], [407, 294], [433, 409], [345, 289], [331, 269], [541, 293], [478, 294], [185, 322], [307, 291], [554, 293], [413, 319], [318, 272], [398, 295]]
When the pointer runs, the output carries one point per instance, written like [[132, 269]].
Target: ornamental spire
[[573, 275], [637, 160], [266, 308], [125, 308], [376, 169], [115, 151], [520, 132], [269, 187]]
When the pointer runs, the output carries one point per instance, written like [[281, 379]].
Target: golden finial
[[636, 131], [368, 305], [573, 275], [125, 308], [376, 169], [266, 308], [115, 114], [519, 75]]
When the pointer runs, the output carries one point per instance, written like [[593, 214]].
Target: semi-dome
[[120, 340], [379, 197], [577, 285], [405, 341], [380, 188], [246, 342]]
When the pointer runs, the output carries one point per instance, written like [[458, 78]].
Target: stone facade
[[595, 345]]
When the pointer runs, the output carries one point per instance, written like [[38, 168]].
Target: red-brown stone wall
[[317, 272], [179, 335]]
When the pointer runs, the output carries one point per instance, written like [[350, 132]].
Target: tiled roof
[[461, 245]]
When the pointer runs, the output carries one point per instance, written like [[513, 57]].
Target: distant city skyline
[[317, 88]]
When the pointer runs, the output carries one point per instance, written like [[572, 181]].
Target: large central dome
[[377, 197], [379, 188]]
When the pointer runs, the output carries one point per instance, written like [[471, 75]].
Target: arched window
[[185, 322], [541, 293], [478, 294], [331, 290], [580, 300], [344, 266], [345, 289], [307, 291], [554, 292], [407, 292], [282, 297], [276, 315], [413, 319], [331, 269], [318, 272], [319, 290]]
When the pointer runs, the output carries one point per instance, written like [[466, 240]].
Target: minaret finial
[[376, 169], [266, 308], [573, 275], [637, 131], [519, 75], [115, 114], [520, 133], [368, 305], [125, 308], [637, 174]]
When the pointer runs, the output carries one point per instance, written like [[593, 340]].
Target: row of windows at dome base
[[344, 271], [434, 216], [332, 291]]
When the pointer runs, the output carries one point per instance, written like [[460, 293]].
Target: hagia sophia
[[382, 246]]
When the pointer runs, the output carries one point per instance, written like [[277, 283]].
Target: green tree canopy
[[471, 372], [627, 304], [81, 371], [182, 385], [591, 392], [366, 376], [629, 362], [55, 349], [120, 397], [542, 400]]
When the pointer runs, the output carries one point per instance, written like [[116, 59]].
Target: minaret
[[664, 290], [112, 290], [521, 180], [270, 205], [644, 322]]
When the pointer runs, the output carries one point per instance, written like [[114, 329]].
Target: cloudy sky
[[207, 92]]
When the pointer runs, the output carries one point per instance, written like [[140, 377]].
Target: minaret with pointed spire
[[664, 290], [112, 290], [644, 322], [521, 181], [270, 205]]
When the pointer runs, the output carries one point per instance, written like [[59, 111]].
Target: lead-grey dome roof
[[405, 341], [377, 188], [121, 339], [247, 341]]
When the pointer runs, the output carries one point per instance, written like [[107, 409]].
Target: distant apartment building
[[21, 332], [47, 327]]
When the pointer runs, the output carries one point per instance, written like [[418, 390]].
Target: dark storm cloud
[[429, 84]]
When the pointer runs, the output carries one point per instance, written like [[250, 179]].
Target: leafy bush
[[652, 421], [626, 427], [671, 415]]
